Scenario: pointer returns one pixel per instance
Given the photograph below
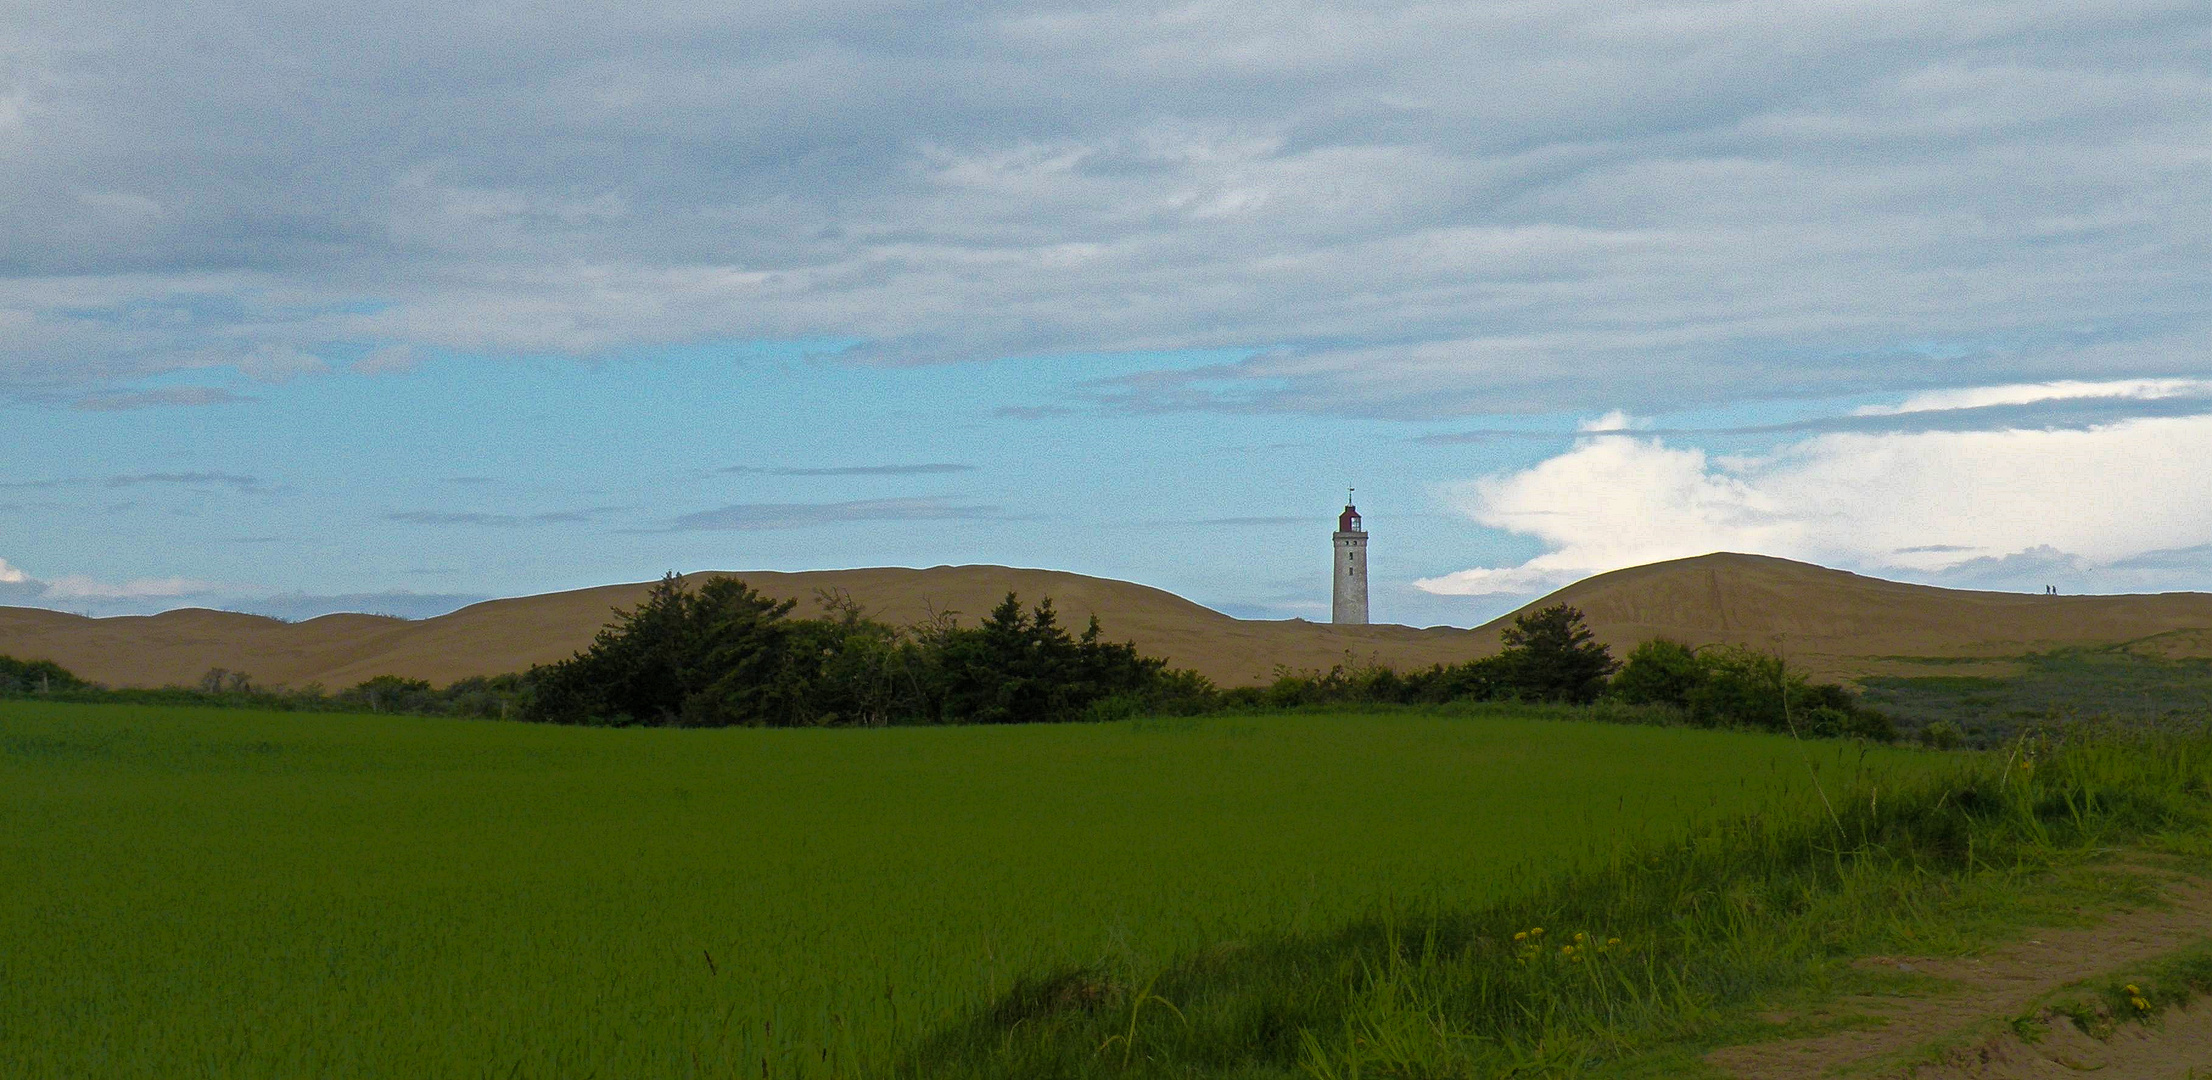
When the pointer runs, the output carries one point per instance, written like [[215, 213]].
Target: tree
[[711, 657], [1661, 671], [1021, 667], [742, 668], [36, 677], [1552, 656]]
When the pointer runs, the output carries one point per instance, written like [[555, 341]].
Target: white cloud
[[88, 595], [279, 363], [83, 594], [1979, 397], [1911, 502], [75, 587], [121, 203], [389, 360]]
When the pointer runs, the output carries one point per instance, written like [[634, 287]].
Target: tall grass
[[1601, 964]]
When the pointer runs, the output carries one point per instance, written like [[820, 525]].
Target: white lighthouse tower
[[1348, 602]]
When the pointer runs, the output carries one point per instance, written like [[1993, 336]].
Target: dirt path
[[2007, 983]]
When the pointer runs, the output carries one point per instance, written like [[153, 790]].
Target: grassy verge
[[1635, 967], [2134, 996]]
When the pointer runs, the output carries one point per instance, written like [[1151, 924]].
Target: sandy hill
[[1842, 624], [510, 635], [1833, 622]]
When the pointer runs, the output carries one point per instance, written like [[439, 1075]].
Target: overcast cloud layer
[[1409, 209], [405, 303]]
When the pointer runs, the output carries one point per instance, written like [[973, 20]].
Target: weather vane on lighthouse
[[1348, 599]]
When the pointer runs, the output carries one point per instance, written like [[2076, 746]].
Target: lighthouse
[[1348, 602]]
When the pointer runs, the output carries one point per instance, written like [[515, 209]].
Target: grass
[[200, 892], [2125, 683], [1636, 966]]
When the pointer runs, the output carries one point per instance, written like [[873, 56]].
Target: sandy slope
[[1845, 624], [1833, 622], [510, 635]]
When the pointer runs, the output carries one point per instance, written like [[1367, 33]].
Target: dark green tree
[[1661, 671], [1552, 656], [36, 677], [1024, 667], [680, 657], [743, 667]]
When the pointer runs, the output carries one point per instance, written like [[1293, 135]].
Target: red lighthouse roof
[[1348, 521]]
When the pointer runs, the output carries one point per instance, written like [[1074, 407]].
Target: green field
[[196, 892], [2114, 682]]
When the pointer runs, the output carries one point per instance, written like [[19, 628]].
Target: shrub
[[1942, 735], [1733, 686]]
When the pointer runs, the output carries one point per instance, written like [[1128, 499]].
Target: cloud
[[1613, 420], [1982, 397], [2043, 412], [1973, 504], [126, 400], [1415, 210], [75, 588], [389, 360], [501, 521], [87, 595], [854, 470], [760, 516], [398, 603], [234, 481]]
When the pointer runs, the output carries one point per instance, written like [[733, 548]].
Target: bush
[[1942, 735], [1733, 686], [1661, 671], [25, 677]]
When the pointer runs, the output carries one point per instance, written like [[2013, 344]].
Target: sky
[[395, 307]]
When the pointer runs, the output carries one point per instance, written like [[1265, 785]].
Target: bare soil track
[[2001, 985]]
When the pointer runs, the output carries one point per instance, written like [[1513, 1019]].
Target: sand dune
[[1836, 623], [1844, 624]]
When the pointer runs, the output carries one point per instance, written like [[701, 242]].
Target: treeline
[[496, 697], [725, 655], [1549, 655]]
